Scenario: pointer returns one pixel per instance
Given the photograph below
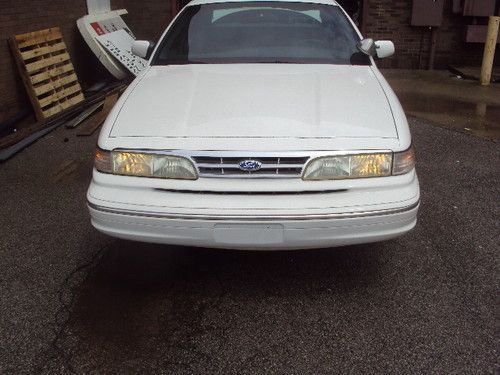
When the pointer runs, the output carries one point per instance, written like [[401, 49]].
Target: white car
[[257, 125]]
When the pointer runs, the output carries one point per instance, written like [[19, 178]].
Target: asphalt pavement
[[75, 301]]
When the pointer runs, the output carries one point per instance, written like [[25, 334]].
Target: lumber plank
[[25, 77], [94, 122], [58, 95], [51, 73], [47, 62], [31, 54], [63, 105], [73, 123], [40, 90], [38, 37]]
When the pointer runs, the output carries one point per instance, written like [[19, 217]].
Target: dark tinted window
[[260, 32]]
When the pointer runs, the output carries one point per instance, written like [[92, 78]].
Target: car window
[[260, 32]]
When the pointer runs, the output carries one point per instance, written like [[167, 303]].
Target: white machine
[[109, 37]]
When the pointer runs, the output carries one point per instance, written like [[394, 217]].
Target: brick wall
[[17, 17], [148, 18], [390, 19]]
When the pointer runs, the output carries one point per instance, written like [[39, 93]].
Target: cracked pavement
[[74, 300]]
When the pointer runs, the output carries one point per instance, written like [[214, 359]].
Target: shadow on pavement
[[141, 294]]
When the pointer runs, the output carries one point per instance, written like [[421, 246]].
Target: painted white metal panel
[[257, 101], [93, 25], [119, 44]]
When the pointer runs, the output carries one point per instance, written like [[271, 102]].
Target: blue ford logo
[[250, 165]]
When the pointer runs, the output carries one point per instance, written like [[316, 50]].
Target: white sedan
[[257, 125]]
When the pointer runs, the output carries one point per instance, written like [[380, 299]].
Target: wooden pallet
[[47, 72]]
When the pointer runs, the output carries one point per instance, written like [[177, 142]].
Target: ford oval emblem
[[250, 165]]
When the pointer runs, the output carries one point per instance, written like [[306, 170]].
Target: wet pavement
[[75, 301], [445, 100]]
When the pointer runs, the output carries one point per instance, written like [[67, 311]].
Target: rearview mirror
[[143, 48], [381, 48]]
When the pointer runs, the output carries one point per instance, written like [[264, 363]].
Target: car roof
[[200, 2]]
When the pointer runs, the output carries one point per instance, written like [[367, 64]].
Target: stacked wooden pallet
[[47, 71]]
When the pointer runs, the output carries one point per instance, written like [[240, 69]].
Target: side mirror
[[380, 49], [143, 48], [367, 46], [385, 48]]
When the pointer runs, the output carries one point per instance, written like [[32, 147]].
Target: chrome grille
[[228, 166]]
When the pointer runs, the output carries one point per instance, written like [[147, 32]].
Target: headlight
[[145, 165], [360, 166], [349, 166]]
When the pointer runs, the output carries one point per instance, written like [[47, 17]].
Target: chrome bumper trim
[[347, 215]]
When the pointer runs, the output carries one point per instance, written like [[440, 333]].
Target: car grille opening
[[229, 166]]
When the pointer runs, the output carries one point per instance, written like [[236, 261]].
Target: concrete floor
[[73, 300], [442, 99]]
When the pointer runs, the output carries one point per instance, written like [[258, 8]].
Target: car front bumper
[[254, 233], [241, 214]]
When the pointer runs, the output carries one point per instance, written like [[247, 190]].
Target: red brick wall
[[390, 19], [17, 17], [148, 18]]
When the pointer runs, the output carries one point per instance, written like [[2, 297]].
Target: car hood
[[256, 101]]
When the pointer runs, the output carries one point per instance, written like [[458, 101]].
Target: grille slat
[[235, 166], [228, 166]]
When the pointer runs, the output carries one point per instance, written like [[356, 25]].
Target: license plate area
[[256, 234]]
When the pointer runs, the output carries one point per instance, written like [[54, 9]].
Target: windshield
[[260, 32]]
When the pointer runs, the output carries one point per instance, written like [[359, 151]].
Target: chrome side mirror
[[367, 46], [143, 48]]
